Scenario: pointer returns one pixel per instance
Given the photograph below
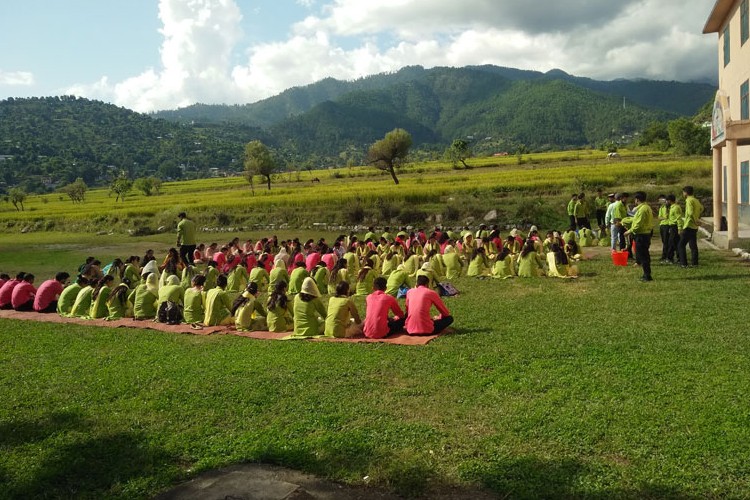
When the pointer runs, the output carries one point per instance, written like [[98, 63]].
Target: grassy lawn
[[602, 387]]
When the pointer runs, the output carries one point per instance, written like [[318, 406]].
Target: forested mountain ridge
[[674, 97]]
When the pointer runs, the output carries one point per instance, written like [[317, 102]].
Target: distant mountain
[[673, 97]]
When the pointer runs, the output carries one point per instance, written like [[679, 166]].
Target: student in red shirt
[[22, 298], [419, 302], [377, 323], [4, 278], [45, 300], [6, 292]]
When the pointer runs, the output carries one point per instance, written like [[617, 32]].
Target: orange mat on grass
[[398, 339]]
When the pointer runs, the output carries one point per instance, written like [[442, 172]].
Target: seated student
[[144, 299], [6, 292], [45, 300], [278, 273], [82, 304], [572, 249], [530, 264], [132, 271], [249, 313], [452, 261], [479, 264], [570, 234], [279, 310], [238, 278], [412, 263], [22, 298], [341, 312], [436, 262], [218, 305], [560, 259], [549, 240], [68, 296], [586, 237], [118, 306], [379, 304], [188, 274], [212, 274], [309, 311], [419, 301], [365, 278], [503, 267], [427, 270], [396, 280], [171, 291], [99, 296], [259, 276], [391, 261], [116, 269], [320, 275], [199, 255], [338, 274], [92, 270], [194, 301], [299, 273]]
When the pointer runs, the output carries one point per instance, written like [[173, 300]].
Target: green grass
[[600, 387]]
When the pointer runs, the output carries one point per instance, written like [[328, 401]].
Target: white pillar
[[732, 189], [718, 185]]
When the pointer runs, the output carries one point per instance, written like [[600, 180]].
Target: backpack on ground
[[169, 313], [446, 289], [402, 292]]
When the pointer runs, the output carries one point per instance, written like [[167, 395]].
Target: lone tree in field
[[459, 151], [148, 185], [17, 196], [121, 186], [390, 151], [259, 160], [76, 190]]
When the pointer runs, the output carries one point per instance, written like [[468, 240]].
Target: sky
[[150, 55]]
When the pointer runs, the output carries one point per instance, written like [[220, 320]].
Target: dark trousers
[[622, 240], [572, 221], [664, 233], [52, 307], [395, 325], [674, 239], [26, 306], [642, 245], [584, 222], [600, 217], [688, 237], [186, 254], [438, 325]]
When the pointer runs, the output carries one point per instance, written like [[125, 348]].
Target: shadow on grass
[[531, 477], [76, 466], [714, 277]]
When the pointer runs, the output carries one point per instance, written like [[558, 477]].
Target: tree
[[390, 151], [259, 160], [17, 196], [76, 190], [458, 151], [121, 186], [689, 138], [148, 185]]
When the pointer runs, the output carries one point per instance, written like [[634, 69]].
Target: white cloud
[[16, 78], [658, 39]]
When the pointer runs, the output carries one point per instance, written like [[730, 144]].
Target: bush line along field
[[360, 193]]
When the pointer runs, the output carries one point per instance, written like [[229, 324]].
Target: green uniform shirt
[[116, 309], [170, 292], [277, 274], [131, 272], [581, 209], [341, 275], [529, 265], [296, 278], [186, 232], [601, 202], [211, 273], [364, 286], [218, 307], [144, 303], [237, 279], [663, 215], [643, 220], [98, 309], [260, 277], [503, 267], [307, 316], [338, 319], [453, 266], [244, 319], [477, 266], [279, 319], [572, 206], [67, 299], [82, 304], [395, 280], [194, 311], [693, 211], [620, 211], [675, 215]]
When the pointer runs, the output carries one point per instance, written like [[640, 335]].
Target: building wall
[[734, 74]]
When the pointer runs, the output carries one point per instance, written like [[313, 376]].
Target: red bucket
[[620, 258]]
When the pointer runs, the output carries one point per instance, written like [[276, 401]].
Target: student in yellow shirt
[[642, 229]]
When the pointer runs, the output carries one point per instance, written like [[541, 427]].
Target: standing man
[[675, 219], [689, 236], [571, 209], [664, 226], [642, 229], [186, 238], [620, 212], [581, 212], [600, 203], [609, 221]]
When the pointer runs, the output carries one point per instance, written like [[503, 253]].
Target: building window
[[744, 23], [744, 105], [745, 182], [726, 46]]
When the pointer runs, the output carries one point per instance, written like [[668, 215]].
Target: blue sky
[[162, 54]]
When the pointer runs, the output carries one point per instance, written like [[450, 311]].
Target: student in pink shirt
[[4, 278], [312, 259], [377, 323], [6, 292], [22, 298], [419, 302], [329, 258], [45, 300]]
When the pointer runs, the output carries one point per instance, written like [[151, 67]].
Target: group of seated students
[[278, 285]]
